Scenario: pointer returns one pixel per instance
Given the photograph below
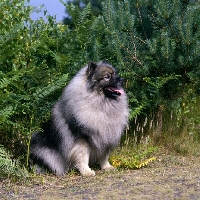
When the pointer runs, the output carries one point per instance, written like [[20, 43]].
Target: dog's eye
[[107, 77]]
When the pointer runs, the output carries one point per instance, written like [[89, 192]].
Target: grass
[[183, 144], [181, 130], [180, 135]]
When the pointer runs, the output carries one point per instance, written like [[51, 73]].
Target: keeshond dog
[[86, 123]]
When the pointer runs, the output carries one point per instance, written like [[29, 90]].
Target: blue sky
[[54, 7]]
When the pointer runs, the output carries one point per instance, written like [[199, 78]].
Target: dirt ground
[[170, 177]]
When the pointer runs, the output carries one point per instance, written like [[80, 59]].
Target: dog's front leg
[[105, 165], [79, 156]]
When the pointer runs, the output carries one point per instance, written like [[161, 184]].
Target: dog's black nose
[[121, 80]]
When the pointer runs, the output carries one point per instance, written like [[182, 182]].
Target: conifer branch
[[140, 39], [134, 57], [140, 16]]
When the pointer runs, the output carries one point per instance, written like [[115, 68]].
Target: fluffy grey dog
[[86, 123]]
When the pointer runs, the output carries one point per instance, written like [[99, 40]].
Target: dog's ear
[[91, 67]]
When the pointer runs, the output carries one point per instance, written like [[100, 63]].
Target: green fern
[[9, 167], [43, 92], [11, 78], [79, 17], [5, 113]]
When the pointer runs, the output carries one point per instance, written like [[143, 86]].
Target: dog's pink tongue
[[121, 91]]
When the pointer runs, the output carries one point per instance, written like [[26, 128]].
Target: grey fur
[[86, 124]]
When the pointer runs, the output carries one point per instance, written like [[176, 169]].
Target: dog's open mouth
[[111, 91]]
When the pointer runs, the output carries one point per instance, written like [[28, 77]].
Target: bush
[[155, 44], [37, 59]]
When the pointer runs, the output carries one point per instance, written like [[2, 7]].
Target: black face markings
[[103, 78], [105, 71]]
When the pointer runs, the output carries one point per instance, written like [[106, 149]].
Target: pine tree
[[156, 46]]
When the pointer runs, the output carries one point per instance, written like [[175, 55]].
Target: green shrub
[[37, 58], [155, 44]]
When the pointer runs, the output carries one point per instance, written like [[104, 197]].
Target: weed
[[133, 158]]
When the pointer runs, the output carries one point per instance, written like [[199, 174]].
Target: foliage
[[84, 34], [10, 167], [181, 128], [135, 158], [80, 4], [37, 58], [29, 68], [155, 44]]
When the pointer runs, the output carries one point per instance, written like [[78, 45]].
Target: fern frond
[[84, 14], [5, 113], [43, 92], [12, 77], [9, 167], [79, 17]]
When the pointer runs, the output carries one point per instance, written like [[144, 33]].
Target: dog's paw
[[108, 167], [88, 173]]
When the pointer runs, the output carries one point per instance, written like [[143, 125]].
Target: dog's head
[[103, 78]]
